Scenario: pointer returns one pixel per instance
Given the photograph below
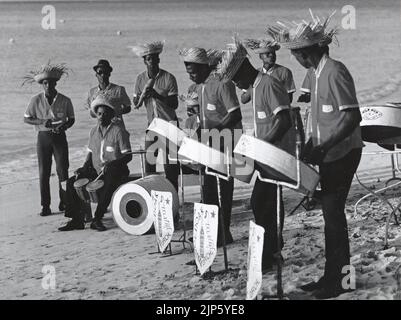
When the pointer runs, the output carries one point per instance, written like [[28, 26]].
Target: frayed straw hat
[[47, 71], [232, 60], [214, 56], [194, 55], [144, 49], [190, 99], [261, 45], [304, 34], [102, 99]]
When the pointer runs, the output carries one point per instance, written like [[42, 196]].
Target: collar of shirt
[[107, 88], [101, 132], [54, 99], [271, 69], [158, 74], [321, 65]]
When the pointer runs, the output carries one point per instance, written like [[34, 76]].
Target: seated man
[[109, 152]]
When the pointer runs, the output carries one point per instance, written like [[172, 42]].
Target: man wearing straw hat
[[108, 155], [272, 123], [119, 97], [335, 144], [219, 109], [266, 49], [52, 114], [157, 89]]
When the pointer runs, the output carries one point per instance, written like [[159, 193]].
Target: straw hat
[[47, 71], [190, 99], [102, 99], [304, 34], [194, 55], [261, 45], [232, 59], [214, 56], [144, 49]]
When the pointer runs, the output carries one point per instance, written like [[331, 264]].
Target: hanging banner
[[206, 219], [162, 208], [255, 250]]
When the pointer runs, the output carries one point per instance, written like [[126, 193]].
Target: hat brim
[[102, 66], [39, 78], [293, 45], [104, 104]]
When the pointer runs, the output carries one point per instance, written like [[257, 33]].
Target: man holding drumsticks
[[108, 155], [52, 114], [272, 123], [335, 143]]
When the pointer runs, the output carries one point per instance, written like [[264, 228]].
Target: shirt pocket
[[211, 107], [110, 149]]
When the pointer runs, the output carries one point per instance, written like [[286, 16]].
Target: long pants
[[113, 178], [49, 144], [210, 196], [264, 207], [171, 170], [335, 179]]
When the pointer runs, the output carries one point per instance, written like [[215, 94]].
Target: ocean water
[[89, 32]]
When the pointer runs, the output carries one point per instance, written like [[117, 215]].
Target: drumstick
[[100, 174]]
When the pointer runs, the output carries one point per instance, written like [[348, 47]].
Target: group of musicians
[[334, 143]]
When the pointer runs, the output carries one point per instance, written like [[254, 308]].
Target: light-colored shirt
[[332, 92], [306, 84], [283, 74], [119, 98], [113, 145], [165, 85], [39, 108], [216, 99], [269, 97]]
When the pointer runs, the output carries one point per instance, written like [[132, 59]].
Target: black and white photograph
[[200, 151]]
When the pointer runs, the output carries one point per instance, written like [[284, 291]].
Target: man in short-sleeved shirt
[[335, 144], [157, 90], [51, 113], [108, 154], [272, 123], [219, 109], [117, 94]]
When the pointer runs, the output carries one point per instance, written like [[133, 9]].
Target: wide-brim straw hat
[[144, 49], [232, 60], [214, 56], [261, 45], [293, 35], [194, 55], [46, 72], [101, 100]]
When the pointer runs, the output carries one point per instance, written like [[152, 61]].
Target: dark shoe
[[312, 286], [61, 206], [98, 225], [72, 225], [330, 292], [45, 212], [88, 217]]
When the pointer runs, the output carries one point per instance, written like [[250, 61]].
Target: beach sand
[[115, 265]]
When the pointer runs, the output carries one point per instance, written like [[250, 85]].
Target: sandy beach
[[116, 265]]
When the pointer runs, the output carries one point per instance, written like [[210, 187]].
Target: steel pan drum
[[381, 123], [94, 188], [216, 160], [79, 186], [132, 203], [277, 164]]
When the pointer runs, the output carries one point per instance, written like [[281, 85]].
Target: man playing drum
[[120, 99], [335, 144], [109, 152], [267, 53], [158, 90], [272, 123], [219, 109], [52, 114]]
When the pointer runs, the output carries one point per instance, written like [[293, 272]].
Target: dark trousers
[[51, 144], [264, 207], [171, 170], [210, 196], [113, 178], [335, 179]]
